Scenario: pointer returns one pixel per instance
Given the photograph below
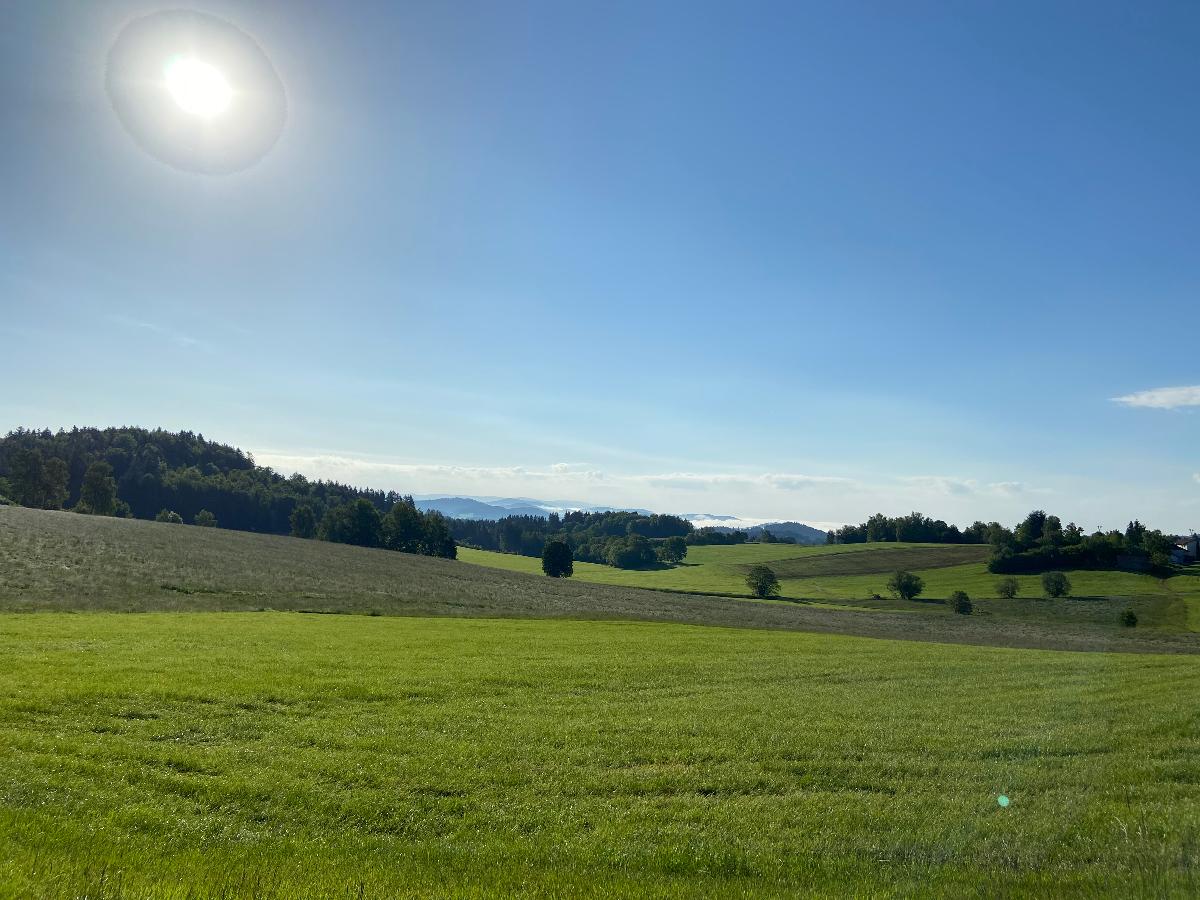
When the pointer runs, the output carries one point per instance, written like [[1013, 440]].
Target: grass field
[[462, 731], [66, 562], [848, 575], [273, 754]]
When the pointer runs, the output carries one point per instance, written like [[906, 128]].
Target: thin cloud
[[773, 480], [178, 337], [1163, 398]]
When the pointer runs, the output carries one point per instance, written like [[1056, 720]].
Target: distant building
[[1187, 551]]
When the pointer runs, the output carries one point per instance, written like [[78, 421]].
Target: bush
[[166, 515], [762, 582], [672, 550], [556, 560], [1007, 588], [906, 585], [1128, 619], [961, 603], [1056, 584], [205, 519]]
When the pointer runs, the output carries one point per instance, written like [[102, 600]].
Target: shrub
[[1056, 584], [1007, 588], [906, 585], [762, 581], [672, 550], [205, 519], [557, 561], [961, 603], [166, 515], [1128, 619]]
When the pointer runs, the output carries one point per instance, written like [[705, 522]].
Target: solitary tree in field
[[672, 550], [762, 581], [906, 585], [1128, 618], [166, 515], [304, 522], [556, 560], [205, 519], [1056, 584], [1007, 588], [98, 495], [961, 603]]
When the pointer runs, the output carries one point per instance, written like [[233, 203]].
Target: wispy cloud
[[176, 337], [1163, 398], [773, 480], [961, 487], [1196, 478]]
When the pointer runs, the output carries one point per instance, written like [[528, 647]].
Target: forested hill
[[163, 470]]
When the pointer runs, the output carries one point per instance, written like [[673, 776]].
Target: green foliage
[[905, 585], [556, 560], [597, 537], [357, 522], [1128, 618], [630, 552], [706, 536], [762, 581], [913, 528], [169, 516], [303, 522], [1008, 588], [672, 550], [961, 603], [98, 493], [205, 519], [1056, 584]]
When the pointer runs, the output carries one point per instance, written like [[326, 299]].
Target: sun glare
[[198, 88]]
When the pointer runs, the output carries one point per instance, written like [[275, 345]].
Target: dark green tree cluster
[[715, 536], [914, 528], [1041, 543], [628, 540], [134, 471]]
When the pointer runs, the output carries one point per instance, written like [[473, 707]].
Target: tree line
[[182, 477], [627, 540], [1039, 543]]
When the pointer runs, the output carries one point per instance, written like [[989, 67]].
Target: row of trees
[[914, 528], [627, 540], [181, 477], [1041, 542], [1038, 543]]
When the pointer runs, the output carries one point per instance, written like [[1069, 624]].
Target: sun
[[197, 87]]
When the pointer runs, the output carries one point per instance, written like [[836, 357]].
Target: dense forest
[[1039, 543], [627, 540], [181, 476]]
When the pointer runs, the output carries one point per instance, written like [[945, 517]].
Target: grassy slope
[[63, 561], [846, 575], [281, 755]]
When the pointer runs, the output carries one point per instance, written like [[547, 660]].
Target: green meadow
[[194, 713], [276, 754], [850, 575]]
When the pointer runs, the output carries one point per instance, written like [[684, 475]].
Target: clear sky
[[786, 260]]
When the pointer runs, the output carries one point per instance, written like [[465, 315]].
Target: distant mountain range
[[492, 508]]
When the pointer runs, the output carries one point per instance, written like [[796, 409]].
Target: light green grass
[[274, 754], [1172, 604]]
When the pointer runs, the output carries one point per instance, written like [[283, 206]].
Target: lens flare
[[198, 88], [195, 92]]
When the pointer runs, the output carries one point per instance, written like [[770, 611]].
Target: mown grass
[[274, 754]]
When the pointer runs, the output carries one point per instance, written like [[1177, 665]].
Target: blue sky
[[778, 260]]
